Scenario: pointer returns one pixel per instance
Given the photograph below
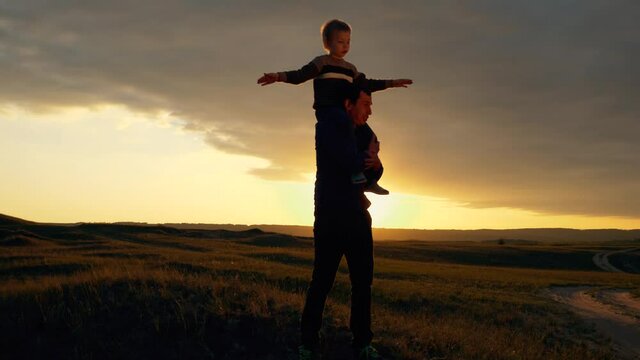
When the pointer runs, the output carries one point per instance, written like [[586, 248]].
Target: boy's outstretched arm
[[377, 85], [295, 77], [401, 82], [268, 78]]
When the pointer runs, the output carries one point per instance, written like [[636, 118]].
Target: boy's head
[[336, 37]]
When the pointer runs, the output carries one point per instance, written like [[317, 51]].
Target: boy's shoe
[[305, 353], [367, 353], [376, 189], [358, 178]]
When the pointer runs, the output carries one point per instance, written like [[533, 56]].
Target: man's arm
[[365, 135], [335, 141], [377, 172]]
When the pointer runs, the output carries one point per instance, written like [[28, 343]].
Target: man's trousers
[[336, 235]]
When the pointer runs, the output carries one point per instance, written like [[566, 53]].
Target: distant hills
[[10, 220], [509, 235]]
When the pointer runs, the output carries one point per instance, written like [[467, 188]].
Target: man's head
[[336, 37], [358, 105]]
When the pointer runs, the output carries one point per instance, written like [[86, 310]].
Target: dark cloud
[[529, 105]]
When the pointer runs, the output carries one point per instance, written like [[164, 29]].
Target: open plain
[[98, 291]]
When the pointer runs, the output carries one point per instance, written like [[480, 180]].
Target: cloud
[[528, 105]]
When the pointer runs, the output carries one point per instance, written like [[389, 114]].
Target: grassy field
[[98, 291]]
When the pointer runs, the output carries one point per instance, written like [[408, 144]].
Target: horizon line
[[309, 226]]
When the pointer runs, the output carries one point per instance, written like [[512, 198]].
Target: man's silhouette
[[342, 224]]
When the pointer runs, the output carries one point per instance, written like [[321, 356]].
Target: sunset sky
[[522, 113]]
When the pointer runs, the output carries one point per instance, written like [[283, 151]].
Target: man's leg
[[359, 254], [325, 265]]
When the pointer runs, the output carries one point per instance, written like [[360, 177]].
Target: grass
[[97, 292]]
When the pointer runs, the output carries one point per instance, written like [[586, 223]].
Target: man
[[342, 226]]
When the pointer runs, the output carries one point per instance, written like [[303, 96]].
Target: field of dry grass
[[98, 291]]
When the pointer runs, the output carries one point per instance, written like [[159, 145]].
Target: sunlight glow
[[107, 163]]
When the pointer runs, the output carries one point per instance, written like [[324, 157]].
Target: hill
[[95, 290], [541, 234], [549, 235], [6, 220]]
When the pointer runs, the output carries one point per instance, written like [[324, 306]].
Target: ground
[[113, 291]]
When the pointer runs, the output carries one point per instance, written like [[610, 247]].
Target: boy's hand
[[268, 78], [401, 82]]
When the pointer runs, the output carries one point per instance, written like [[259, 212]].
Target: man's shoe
[[367, 353], [376, 189], [305, 353]]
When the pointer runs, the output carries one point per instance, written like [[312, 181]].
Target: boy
[[332, 77]]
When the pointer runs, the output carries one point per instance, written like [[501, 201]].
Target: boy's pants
[[336, 235]]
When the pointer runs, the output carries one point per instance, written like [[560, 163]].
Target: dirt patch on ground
[[615, 313]]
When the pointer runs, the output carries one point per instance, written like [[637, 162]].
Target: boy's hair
[[327, 29]]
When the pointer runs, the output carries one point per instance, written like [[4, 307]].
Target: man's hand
[[268, 78], [374, 144], [401, 82], [373, 161]]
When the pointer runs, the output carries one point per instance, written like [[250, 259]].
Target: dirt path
[[615, 313], [602, 259]]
